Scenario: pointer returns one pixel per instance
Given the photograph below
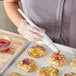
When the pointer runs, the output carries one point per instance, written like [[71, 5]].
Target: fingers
[[36, 30], [36, 34], [32, 33], [32, 36]]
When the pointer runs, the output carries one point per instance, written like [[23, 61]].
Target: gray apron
[[55, 16]]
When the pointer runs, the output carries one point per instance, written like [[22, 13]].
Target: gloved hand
[[29, 32]]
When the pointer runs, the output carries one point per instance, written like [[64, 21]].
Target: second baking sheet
[[41, 62]]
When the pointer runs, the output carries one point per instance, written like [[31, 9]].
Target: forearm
[[11, 9]]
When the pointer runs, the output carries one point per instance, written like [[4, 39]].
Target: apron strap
[[58, 20]]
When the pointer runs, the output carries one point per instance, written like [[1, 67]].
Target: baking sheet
[[41, 62]]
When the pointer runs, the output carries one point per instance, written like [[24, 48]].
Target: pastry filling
[[26, 61], [35, 51], [58, 58], [48, 70]]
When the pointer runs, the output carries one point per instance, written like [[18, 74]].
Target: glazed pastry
[[73, 64], [27, 65], [14, 74], [57, 60], [47, 71], [37, 51], [70, 74]]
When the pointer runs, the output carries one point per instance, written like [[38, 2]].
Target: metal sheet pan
[[41, 62]]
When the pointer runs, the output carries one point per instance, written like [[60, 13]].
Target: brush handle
[[46, 39]]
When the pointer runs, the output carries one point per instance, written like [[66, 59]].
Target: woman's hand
[[29, 32]]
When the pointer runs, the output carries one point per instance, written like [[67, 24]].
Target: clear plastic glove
[[29, 32]]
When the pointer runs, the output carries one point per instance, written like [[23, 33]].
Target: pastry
[[14, 74], [70, 74], [73, 64], [27, 65], [47, 71], [57, 60], [37, 51]]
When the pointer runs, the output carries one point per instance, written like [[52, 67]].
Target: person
[[55, 17]]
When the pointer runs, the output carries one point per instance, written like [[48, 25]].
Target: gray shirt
[[54, 16]]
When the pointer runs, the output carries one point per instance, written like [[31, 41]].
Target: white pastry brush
[[46, 39]]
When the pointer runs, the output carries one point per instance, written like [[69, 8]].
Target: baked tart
[[47, 71], [27, 65], [37, 51], [57, 60]]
